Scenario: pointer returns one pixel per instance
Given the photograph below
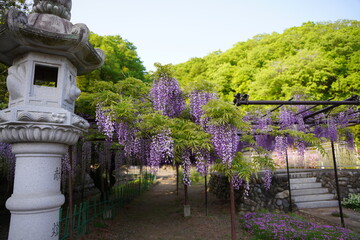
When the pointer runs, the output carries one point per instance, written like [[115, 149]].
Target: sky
[[174, 31]]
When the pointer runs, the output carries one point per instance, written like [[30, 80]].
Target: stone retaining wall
[[349, 180], [276, 198]]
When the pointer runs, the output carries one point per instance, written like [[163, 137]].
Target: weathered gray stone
[[344, 179], [286, 203], [283, 194], [250, 202]]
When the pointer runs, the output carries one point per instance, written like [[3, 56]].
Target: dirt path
[[158, 214]]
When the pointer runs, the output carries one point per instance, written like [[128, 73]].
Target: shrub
[[268, 226], [353, 202]]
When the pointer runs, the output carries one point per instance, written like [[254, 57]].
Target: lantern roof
[[48, 30]]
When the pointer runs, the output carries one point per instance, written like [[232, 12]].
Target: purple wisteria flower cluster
[[267, 178], [237, 182], [104, 122], [161, 150], [265, 141], [203, 161], [225, 139], [167, 97], [197, 100], [287, 118], [268, 226], [281, 145], [263, 123], [327, 126], [8, 157], [186, 165], [126, 137], [332, 129]]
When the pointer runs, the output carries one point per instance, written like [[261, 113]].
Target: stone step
[[308, 191], [301, 175], [305, 185], [297, 174], [311, 198], [317, 204], [303, 180]]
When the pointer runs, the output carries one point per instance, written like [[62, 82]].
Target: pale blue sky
[[173, 31]]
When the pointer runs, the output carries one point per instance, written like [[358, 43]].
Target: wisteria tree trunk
[[177, 179], [206, 196]]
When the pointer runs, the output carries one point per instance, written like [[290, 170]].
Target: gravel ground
[[158, 214]]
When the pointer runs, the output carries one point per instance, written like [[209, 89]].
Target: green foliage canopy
[[121, 63]]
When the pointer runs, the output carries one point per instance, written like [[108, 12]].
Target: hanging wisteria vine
[[225, 139], [167, 96], [197, 100], [267, 178], [104, 122], [186, 165], [203, 161], [236, 181], [161, 150]]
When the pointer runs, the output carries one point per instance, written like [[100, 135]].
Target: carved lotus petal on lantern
[[39, 133]]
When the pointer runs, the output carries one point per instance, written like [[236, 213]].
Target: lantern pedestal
[[40, 136], [35, 202], [38, 148]]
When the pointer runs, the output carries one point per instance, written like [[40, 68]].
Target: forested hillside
[[319, 59]]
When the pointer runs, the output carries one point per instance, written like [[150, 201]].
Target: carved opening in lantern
[[45, 76]]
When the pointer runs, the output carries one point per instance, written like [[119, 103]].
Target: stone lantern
[[45, 52]]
